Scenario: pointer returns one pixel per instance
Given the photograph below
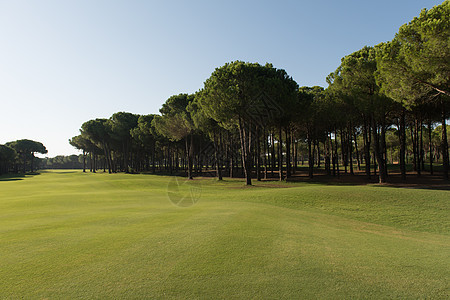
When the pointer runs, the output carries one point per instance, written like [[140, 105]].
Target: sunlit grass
[[74, 235]]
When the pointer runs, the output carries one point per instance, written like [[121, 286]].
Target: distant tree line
[[18, 156], [62, 162], [383, 104]]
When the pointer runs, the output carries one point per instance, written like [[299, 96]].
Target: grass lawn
[[65, 234]]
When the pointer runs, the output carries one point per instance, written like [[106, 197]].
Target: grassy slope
[[68, 235]]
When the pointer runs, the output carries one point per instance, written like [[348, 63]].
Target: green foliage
[[8, 157], [200, 118], [354, 81], [233, 91], [416, 62], [81, 143], [437, 133], [174, 127], [26, 150], [175, 121], [27, 146], [7, 154], [228, 92], [143, 133], [121, 124], [98, 131]]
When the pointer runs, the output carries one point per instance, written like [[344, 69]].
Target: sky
[[65, 62]]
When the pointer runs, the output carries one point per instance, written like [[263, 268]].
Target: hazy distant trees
[[63, 162]]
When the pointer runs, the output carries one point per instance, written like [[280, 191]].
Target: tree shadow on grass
[[17, 177], [425, 181], [359, 178], [443, 187]]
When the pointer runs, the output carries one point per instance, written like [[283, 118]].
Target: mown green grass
[[72, 235]]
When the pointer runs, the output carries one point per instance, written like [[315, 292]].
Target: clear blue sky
[[65, 62]]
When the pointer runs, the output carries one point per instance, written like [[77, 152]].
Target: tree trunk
[[430, 127], [246, 156], [416, 151], [170, 158], [24, 165], [84, 161], [105, 151], [295, 144], [32, 162], [350, 148], [231, 157], [318, 153], [310, 156], [336, 153], [188, 158], [444, 146], [333, 158], [344, 150], [326, 151], [366, 139], [272, 156], [357, 151], [383, 153], [422, 151], [379, 154], [288, 152], [217, 157], [402, 137], [280, 154], [153, 157], [258, 154], [265, 152]]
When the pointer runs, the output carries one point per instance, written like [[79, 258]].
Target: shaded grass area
[[18, 176], [74, 235]]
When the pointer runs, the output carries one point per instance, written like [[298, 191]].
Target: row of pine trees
[[384, 104]]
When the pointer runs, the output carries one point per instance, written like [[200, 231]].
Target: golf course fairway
[[68, 234]]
